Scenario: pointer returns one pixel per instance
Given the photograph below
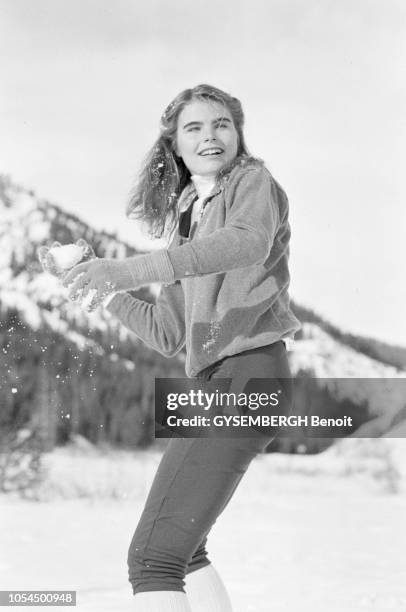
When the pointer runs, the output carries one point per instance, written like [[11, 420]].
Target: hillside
[[62, 367], [56, 359]]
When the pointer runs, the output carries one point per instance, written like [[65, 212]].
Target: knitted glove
[[108, 275], [58, 258]]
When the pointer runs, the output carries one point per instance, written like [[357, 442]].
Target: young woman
[[224, 296]]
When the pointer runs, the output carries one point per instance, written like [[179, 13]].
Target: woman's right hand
[[50, 265]]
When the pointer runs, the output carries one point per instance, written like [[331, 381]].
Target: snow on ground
[[318, 533]]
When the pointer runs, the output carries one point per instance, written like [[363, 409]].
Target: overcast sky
[[322, 82]]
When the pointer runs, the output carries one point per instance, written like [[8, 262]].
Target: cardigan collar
[[189, 193]]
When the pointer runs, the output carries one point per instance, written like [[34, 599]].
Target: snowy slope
[[328, 358], [348, 373], [325, 531], [26, 222], [38, 297], [313, 534]]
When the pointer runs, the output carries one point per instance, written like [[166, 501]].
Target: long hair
[[164, 175]]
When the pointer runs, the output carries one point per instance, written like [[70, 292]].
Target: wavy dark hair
[[164, 175]]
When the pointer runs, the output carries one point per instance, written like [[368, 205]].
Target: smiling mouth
[[211, 152]]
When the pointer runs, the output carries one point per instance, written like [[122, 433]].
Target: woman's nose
[[209, 135]]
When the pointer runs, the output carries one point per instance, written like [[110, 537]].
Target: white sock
[[161, 601], [206, 591]]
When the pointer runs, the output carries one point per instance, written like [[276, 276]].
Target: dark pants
[[195, 480]]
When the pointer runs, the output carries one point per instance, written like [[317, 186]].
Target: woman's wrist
[[155, 267]]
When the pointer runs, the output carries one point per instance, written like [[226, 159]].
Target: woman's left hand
[[102, 275]]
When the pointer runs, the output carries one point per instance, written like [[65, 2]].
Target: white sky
[[83, 84]]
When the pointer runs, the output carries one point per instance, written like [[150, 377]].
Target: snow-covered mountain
[[57, 360], [39, 302], [27, 222]]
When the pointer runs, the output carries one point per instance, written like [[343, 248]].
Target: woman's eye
[[222, 125], [193, 129]]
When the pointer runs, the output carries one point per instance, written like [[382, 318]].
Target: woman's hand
[[104, 276], [51, 261]]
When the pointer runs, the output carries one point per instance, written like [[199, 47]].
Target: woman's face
[[206, 137]]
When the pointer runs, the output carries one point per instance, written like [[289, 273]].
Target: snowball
[[67, 256]]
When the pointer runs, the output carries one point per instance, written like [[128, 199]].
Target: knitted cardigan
[[225, 285]]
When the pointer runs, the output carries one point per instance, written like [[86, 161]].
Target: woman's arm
[[161, 325], [252, 219]]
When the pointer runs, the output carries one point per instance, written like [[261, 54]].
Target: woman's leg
[[204, 586], [194, 482]]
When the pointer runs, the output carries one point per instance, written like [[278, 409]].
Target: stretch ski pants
[[194, 482]]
